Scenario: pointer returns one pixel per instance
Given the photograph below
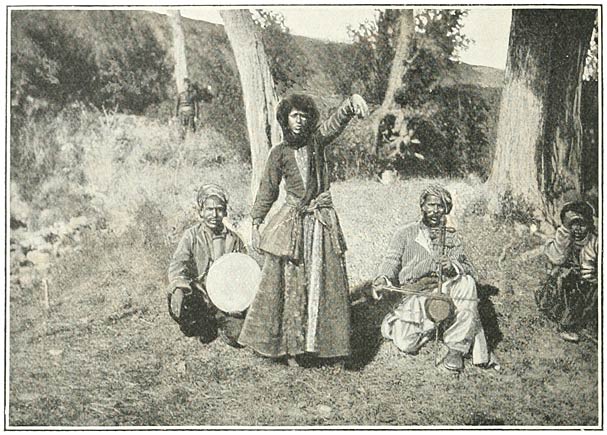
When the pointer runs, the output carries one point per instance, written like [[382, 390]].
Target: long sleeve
[[459, 259], [336, 123], [181, 265], [588, 260], [392, 261], [557, 250], [269, 187]]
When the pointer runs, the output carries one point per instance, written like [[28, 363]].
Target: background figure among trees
[[188, 105], [186, 108]]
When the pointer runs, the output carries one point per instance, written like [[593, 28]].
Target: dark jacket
[[281, 235]]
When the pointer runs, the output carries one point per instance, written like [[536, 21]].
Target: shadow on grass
[[366, 318], [488, 315]]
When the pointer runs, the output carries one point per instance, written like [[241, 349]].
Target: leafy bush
[[515, 209], [133, 72], [54, 63], [435, 45], [351, 161], [44, 148], [284, 56], [435, 129], [455, 132]]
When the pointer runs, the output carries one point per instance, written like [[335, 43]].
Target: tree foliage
[[286, 59], [56, 65], [133, 72], [436, 129], [437, 43]]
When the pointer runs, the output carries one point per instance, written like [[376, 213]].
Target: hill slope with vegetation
[[123, 60]]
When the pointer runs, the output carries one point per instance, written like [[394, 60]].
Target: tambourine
[[232, 282]]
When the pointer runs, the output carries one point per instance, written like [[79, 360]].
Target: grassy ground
[[107, 353]]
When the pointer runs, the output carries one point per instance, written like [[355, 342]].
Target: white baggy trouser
[[409, 321]]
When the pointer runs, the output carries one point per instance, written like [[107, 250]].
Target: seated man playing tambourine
[[200, 246]]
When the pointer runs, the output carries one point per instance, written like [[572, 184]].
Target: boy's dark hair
[[580, 207]]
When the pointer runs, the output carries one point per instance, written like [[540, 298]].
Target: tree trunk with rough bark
[[257, 88], [539, 139], [181, 65], [398, 70]]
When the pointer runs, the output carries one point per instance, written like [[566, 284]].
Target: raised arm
[[557, 250], [339, 119], [269, 187]]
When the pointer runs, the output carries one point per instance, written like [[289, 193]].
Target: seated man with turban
[[200, 245], [569, 296], [414, 258]]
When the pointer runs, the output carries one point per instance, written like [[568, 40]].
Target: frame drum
[[232, 282]]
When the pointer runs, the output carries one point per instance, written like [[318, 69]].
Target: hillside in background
[[79, 38]]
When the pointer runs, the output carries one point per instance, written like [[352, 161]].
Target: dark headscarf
[[582, 208], [439, 192]]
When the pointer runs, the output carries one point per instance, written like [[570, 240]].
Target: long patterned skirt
[[302, 307]]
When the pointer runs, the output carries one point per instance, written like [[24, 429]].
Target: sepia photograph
[[301, 216]]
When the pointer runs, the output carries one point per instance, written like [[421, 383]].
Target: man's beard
[[432, 221]]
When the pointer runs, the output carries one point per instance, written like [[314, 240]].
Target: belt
[[322, 201]]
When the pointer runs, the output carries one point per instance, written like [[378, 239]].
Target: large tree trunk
[[406, 30], [257, 88], [539, 138], [181, 65]]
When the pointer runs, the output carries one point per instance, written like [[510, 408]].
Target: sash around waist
[[284, 233]]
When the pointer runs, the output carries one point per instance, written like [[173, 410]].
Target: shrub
[[455, 132], [133, 72], [352, 160], [284, 55], [45, 147], [515, 209], [55, 63]]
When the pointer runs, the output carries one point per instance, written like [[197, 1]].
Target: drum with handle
[[232, 282]]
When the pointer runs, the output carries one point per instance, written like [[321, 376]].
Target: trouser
[[568, 300], [409, 321], [197, 316], [187, 121]]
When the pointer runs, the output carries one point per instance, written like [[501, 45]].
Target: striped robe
[[413, 255]]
